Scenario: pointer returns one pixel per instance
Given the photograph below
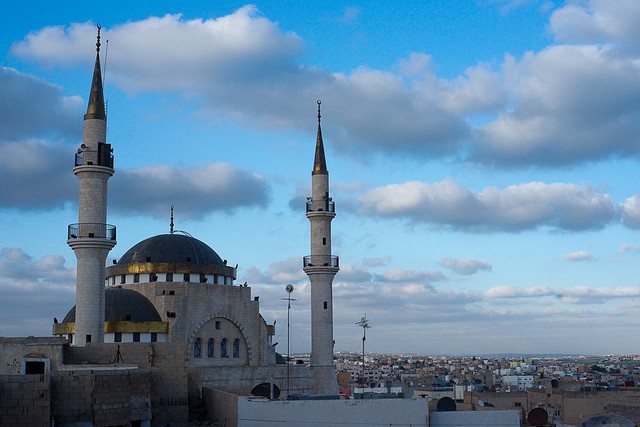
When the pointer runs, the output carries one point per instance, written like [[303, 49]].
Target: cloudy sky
[[483, 156]]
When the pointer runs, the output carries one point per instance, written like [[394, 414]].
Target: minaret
[[92, 238], [321, 267]]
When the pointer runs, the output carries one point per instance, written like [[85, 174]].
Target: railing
[[321, 261], [91, 231], [100, 157], [321, 205]]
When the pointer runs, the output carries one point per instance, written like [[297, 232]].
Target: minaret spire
[[91, 238], [95, 109], [321, 266], [319, 163]]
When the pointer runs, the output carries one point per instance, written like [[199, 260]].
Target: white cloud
[[628, 247], [34, 291], [565, 104], [515, 208], [198, 191], [31, 107], [465, 266], [512, 292], [631, 212], [32, 178], [570, 104], [598, 21], [575, 295], [578, 256]]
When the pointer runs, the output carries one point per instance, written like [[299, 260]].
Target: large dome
[[171, 248], [123, 305]]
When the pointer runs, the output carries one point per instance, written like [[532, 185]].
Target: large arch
[[219, 326]]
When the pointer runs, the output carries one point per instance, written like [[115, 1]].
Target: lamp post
[[364, 324], [289, 288]]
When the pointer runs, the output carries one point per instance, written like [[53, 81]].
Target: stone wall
[[168, 365], [25, 400], [14, 350], [101, 396]]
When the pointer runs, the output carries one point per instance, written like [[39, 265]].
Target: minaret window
[[123, 279], [186, 277], [136, 337], [324, 241], [88, 338], [325, 305], [136, 278], [169, 277], [117, 337]]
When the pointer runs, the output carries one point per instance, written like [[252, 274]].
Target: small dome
[[123, 305], [171, 248]]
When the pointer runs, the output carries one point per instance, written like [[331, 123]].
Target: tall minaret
[[321, 267], [92, 238]]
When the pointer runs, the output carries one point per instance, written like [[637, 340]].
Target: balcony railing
[[321, 261], [91, 231], [326, 205], [103, 156]]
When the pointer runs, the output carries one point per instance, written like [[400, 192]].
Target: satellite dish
[[480, 403], [446, 404], [538, 417], [289, 288]]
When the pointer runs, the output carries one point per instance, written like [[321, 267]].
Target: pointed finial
[[171, 224], [319, 163], [98, 42]]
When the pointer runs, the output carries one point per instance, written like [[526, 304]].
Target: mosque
[[169, 309]]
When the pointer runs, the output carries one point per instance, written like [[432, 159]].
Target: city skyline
[[483, 159]]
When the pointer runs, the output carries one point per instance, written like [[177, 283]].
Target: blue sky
[[483, 158]]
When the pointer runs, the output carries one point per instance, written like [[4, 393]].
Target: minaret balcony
[[321, 261], [103, 156], [89, 230], [326, 205]]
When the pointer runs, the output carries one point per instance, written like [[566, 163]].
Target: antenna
[[106, 55], [364, 324], [289, 288]]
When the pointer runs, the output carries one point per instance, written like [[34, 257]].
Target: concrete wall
[[221, 406], [475, 419], [334, 413], [25, 400]]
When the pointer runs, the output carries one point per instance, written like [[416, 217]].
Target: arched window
[[223, 348], [197, 347], [210, 346], [236, 348]]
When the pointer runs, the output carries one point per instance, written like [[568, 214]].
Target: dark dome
[[171, 248], [123, 305]]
